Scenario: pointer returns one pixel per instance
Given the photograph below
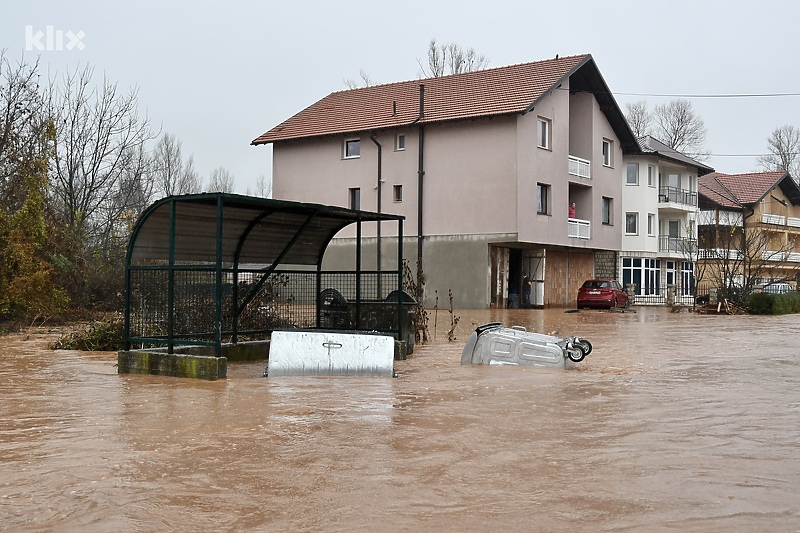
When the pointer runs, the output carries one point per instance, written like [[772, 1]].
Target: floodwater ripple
[[676, 421]]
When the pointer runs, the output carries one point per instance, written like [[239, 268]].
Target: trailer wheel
[[585, 346], [576, 354]]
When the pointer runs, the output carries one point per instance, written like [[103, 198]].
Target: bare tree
[[97, 131], [784, 148], [451, 58], [366, 81], [221, 180], [679, 127], [639, 118], [263, 187], [173, 175], [24, 124]]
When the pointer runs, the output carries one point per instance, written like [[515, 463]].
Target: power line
[[754, 95]]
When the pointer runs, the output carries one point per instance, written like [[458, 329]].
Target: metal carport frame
[[217, 236]]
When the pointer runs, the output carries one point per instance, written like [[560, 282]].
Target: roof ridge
[[464, 74]]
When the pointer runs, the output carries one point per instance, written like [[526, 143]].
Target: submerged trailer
[[330, 353], [494, 344]]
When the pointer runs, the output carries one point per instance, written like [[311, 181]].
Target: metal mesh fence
[[257, 303]]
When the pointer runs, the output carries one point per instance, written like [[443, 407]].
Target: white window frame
[[635, 223], [400, 142], [397, 193], [651, 224], [628, 174], [544, 133], [347, 143], [608, 153], [651, 176]]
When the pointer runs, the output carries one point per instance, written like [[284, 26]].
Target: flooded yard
[[675, 422]]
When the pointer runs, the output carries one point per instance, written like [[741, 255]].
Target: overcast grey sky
[[217, 76]]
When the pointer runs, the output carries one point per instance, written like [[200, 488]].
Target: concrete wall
[[452, 262]]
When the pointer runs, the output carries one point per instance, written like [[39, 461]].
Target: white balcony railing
[[579, 167], [720, 254], [723, 218], [578, 229], [780, 220]]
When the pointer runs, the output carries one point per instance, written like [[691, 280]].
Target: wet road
[[675, 422]]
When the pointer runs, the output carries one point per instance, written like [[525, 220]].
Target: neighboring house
[[659, 242], [749, 231], [483, 165]]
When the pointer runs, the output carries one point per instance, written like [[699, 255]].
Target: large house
[[483, 165], [659, 242], [749, 230]]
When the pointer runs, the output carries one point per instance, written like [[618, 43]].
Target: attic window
[[400, 142], [352, 148]]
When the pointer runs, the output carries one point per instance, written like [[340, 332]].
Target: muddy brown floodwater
[[675, 422]]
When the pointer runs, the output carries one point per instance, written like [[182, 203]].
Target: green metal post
[[171, 280], [218, 306]]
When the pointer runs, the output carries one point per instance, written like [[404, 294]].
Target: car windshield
[[597, 284]]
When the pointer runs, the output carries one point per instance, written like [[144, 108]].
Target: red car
[[606, 293]]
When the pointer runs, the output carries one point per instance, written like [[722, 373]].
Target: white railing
[[780, 220], [579, 167], [726, 218], [720, 253], [793, 257], [769, 255], [578, 229], [767, 218]]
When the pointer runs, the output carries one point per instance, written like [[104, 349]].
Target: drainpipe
[[380, 181], [420, 180]]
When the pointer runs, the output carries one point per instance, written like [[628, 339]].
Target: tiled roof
[[497, 91], [737, 190], [651, 145]]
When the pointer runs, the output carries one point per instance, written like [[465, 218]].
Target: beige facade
[[496, 191]]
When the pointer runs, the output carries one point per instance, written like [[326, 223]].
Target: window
[[651, 176], [651, 224], [632, 174], [355, 198], [608, 146], [543, 199], [674, 229], [631, 223], [400, 142], [644, 273], [543, 133], [352, 148], [397, 193], [607, 210]]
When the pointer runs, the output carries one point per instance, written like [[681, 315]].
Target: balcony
[[578, 229], [677, 196], [779, 220], [780, 256], [719, 218], [681, 245], [579, 167]]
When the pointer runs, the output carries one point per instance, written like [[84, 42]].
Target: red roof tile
[[497, 91], [737, 190]]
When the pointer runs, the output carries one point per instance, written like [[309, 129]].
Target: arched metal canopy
[[250, 230], [186, 254]]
